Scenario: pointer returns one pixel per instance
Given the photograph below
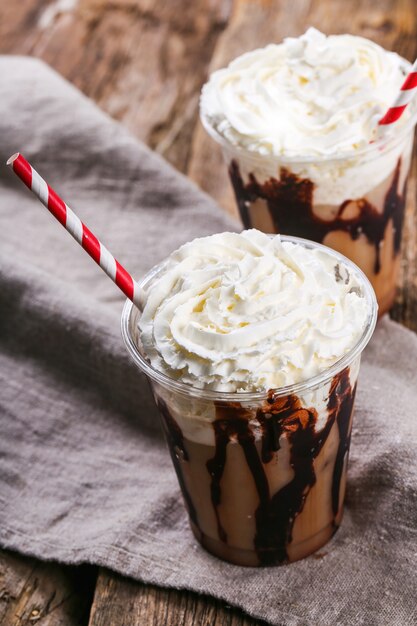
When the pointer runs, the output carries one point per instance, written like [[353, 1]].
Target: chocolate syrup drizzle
[[177, 449], [340, 405], [275, 520], [290, 204], [232, 422], [275, 514]]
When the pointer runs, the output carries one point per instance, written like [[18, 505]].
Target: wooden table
[[144, 63]]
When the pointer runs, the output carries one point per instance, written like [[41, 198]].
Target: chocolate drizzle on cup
[[276, 513], [290, 205], [178, 451]]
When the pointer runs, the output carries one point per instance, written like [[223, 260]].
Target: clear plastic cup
[[262, 475], [353, 202]]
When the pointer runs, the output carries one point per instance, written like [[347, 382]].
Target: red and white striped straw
[[407, 93], [74, 225]]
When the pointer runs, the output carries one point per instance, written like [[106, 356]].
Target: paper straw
[[407, 93], [75, 227]]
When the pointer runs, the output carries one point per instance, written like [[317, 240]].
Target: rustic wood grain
[[142, 61], [47, 594], [405, 308], [119, 601]]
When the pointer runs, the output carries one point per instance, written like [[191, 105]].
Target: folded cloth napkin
[[84, 472]]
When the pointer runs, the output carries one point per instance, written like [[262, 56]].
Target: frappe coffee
[[298, 126], [252, 346]]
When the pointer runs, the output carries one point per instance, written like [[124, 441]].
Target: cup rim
[[130, 310], [382, 145]]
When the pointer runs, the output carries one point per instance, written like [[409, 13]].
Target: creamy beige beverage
[[298, 126], [252, 346]]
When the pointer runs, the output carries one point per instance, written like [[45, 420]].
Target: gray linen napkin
[[84, 473]]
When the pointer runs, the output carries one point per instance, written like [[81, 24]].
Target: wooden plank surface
[[121, 601], [48, 594], [144, 63], [405, 308]]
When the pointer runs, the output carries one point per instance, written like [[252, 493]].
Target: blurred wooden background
[[144, 62]]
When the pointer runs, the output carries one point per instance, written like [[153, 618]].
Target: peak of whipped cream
[[248, 312], [311, 95]]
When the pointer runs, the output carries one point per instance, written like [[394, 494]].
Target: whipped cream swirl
[[312, 95], [247, 312]]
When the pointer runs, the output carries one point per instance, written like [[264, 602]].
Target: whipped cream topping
[[247, 312], [312, 95]]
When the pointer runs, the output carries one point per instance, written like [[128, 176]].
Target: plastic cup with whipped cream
[[252, 345], [297, 124]]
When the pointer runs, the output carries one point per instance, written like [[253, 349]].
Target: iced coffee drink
[[252, 346], [297, 123]]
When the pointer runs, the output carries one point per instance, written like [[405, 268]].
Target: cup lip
[[244, 396], [382, 145]]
